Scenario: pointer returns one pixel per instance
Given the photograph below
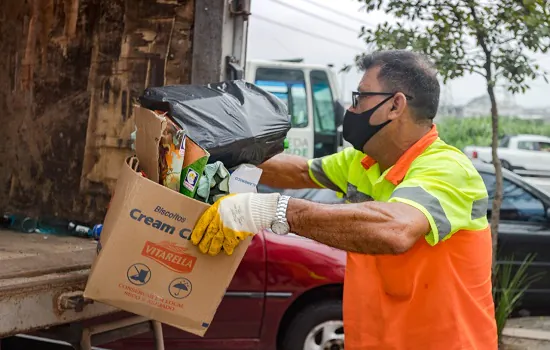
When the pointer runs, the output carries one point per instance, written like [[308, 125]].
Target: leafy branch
[[494, 39]]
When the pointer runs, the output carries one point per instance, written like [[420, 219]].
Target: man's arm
[[369, 227], [286, 171]]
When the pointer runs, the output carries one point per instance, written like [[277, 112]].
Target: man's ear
[[399, 105]]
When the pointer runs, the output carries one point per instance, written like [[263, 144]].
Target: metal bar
[[52, 341], [278, 295], [219, 40], [159, 338], [252, 295], [86, 340], [240, 13], [112, 331], [121, 333], [208, 41]]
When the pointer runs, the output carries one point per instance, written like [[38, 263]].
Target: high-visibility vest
[[438, 294]]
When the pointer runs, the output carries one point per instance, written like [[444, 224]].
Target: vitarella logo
[[170, 255]]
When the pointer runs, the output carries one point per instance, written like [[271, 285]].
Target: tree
[[491, 38]]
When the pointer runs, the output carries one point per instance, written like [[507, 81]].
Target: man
[[418, 273]]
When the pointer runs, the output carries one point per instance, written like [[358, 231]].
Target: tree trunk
[[497, 200]]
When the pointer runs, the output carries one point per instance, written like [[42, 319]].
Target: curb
[[526, 333]]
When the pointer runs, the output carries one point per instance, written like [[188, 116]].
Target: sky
[[325, 32]]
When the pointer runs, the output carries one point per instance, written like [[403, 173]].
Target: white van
[[310, 92]]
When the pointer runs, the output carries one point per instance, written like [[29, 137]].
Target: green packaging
[[194, 162]]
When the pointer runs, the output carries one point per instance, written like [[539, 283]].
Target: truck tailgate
[[38, 274]]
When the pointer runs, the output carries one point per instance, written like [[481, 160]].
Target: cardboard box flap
[[122, 192], [150, 126]]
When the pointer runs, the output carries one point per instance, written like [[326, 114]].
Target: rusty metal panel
[[70, 71], [38, 277], [33, 305]]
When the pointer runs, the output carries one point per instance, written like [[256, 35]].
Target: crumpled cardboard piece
[[147, 265], [149, 126]]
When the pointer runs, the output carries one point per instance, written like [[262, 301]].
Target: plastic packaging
[[196, 159], [96, 231], [171, 155], [6, 221], [79, 230], [235, 121], [45, 225], [214, 183], [245, 179]]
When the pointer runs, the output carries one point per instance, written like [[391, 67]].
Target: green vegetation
[[510, 285], [493, 39], [462, 132]]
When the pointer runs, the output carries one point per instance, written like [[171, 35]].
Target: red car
[[286, 294]]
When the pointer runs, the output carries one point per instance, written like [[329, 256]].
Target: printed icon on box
[[139, 274], [180, 288], [191, 179]]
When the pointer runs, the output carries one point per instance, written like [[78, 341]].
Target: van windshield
[[289, 86], [323, 103]]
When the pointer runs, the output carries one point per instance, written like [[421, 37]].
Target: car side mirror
[[339, 111]]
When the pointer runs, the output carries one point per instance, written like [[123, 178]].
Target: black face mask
[[357, 128]]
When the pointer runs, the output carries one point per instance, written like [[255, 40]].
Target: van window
[[323, 102], [288, 85]]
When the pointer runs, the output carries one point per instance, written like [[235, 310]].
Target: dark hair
[[410, 73]]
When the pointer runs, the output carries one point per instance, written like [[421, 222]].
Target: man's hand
[[232, 219]]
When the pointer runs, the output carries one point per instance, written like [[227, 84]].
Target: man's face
[[370, 83]]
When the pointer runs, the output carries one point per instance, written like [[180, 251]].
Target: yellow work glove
[[232, 219]]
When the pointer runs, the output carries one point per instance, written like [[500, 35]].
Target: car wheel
[[316, 327], [506, 165]]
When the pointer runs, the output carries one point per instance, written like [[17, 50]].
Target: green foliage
[[490, 38], [511, 283], [462, 132]]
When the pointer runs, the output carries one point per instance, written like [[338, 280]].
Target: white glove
[[232, 219]]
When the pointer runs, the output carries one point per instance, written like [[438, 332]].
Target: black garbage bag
[[235, 121]]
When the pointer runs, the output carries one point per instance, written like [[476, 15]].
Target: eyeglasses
[[356, 94]]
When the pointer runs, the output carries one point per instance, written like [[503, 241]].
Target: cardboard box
[[147, 265]]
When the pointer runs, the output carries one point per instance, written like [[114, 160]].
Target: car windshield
[[504, 142], [518, 204]]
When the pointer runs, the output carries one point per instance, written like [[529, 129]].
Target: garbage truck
[[70, 72]]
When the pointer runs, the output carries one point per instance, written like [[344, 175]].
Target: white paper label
[[245, 179]]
